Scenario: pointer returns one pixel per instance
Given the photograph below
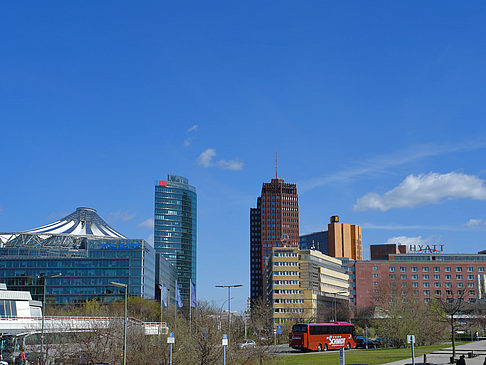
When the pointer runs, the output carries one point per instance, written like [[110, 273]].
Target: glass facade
[[86, 270], [175, 228], [315, 241]]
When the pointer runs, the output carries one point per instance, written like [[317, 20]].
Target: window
[[426, 300], [415, 284], [403, 276], [375, 283], [391, 268], [403, 269], [469, 269], [449, 292], [425, 277], [458, 276], [459, 292], [414, 268], [472, 292], [392, 276], [436, 268], [375, 276], [436, 277], [447, 269], [414, 277], [448, 285], [375, 267], [458, 268], [426, 284], [426, 292], [437, 284], [470, 285], [460, 285], [470, 277], [404, 284], [448, 277], [438, 292], [481, 268], [425, 269]]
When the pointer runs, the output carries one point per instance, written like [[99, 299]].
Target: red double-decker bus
[[323, 336]]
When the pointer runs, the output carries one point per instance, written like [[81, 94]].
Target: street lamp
[[44, 277], [124, 286], [229, 305], [335, 307]]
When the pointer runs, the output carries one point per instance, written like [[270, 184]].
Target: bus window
[[301, 328]]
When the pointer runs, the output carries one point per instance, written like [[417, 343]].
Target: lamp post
[[229, 305], [124, 286], [44, 277], [335, 307]]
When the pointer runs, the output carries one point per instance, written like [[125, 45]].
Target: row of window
[[427, 276], [287, 291], [289, 301], [289, 310], [285, 254], [435, 268], [286, 263], [286, 273], [426, 284], [286, 282]]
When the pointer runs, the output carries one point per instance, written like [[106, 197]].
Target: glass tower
[[175, 228]]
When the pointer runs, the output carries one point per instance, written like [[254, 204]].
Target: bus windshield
[[7, 343], [301, 328]]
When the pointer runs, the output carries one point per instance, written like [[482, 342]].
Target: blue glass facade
[[86, 269], [315, 241], [175, 228]]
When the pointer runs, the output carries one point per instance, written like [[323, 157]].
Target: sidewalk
[[444, 358]]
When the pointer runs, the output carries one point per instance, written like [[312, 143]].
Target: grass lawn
[[368, 357]]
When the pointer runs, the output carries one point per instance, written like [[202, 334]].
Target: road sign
[[279, 330], [225, 340], [410, 338], [171, 338]]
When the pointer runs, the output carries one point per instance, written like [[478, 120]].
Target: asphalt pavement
[[442, 357]]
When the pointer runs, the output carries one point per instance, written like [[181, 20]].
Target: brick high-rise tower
[[273, 223]]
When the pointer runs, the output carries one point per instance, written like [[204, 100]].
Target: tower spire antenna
[[276, 166]]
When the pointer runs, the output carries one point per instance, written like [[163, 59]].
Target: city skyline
[[376, 113]]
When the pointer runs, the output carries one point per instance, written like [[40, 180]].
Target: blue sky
[[376, 110]]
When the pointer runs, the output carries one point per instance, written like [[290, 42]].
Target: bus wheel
[[319, 347], [348, 346], [325, 347]]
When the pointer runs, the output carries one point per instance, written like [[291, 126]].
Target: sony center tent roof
[[84, 222]]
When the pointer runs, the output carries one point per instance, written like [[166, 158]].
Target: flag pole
[[175, 306], [190, 306]]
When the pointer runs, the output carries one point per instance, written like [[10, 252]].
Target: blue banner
[[165, 295], [178, 296], [193, 294]]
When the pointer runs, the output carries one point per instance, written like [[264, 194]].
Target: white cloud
[[424, 189], [230, 165], [150, 239], [187, 142], [148, 223], [192, 129], [379, 164], [475, 222], [404, 240], [119, 215], [206, 159]]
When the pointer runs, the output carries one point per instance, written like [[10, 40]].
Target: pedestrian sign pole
[[170, 341], [411, 341], [224, 343], [342, 360]]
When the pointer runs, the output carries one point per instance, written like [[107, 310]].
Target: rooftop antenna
[[276, 166]]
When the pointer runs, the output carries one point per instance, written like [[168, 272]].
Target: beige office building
[[344, 240], [300, 283]]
